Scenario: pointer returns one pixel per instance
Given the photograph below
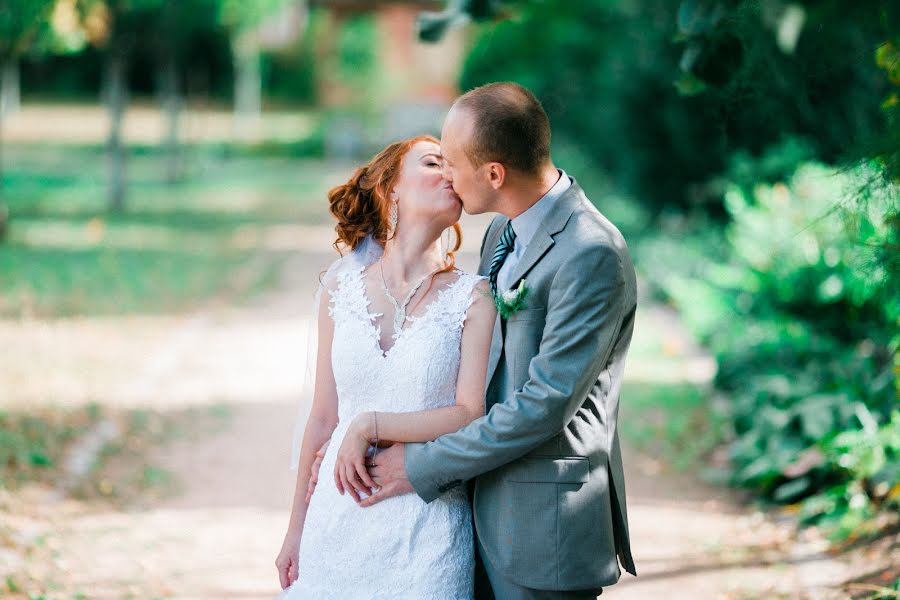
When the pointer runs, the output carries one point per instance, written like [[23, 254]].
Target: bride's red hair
[[362, 205]]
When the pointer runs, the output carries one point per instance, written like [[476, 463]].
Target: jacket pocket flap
[[575, 469], [532, 313]]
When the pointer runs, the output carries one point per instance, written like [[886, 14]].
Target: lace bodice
[[418, 371]]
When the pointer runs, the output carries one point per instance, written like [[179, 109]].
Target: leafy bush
[[801, 307], [608, 74], [869, 460]]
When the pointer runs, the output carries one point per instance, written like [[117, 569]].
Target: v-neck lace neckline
[[398, 336]]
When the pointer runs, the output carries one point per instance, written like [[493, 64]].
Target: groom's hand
[[390, 475]]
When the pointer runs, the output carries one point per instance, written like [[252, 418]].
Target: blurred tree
[[243, 20], [22, 22], [809, 64], [174, 17], [113, 26], [605, 70], [119, 27], [173, 29]]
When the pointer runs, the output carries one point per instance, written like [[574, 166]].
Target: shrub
[[802, 310]]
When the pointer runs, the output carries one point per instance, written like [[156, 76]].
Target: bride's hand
[[286, 562], [350, 472]]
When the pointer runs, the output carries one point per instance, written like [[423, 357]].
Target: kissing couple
[[464, 424]]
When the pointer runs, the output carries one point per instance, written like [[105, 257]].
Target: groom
[[549, 489]]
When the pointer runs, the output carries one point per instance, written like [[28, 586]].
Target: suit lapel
[[497, 338], [541, 243], [543, 238]]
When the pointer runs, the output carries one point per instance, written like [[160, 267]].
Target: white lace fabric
[[401, 547]]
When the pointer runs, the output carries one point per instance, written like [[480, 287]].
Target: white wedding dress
[[400, 547]]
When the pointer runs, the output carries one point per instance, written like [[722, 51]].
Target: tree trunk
[[115, 101], [4, 215], [247, 84], [10, 93], [171, 101], [9, 104]]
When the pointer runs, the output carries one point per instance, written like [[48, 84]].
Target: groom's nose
[[445, 171]]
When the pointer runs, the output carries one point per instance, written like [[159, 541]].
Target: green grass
[[672, 421], [174, 246], [34, 443], [57, 282]]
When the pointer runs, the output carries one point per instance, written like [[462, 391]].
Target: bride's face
[[423, 192]]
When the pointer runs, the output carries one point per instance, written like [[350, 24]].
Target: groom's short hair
[[509, 127]]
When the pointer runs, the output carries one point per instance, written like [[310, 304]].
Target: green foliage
[[801, 310], [33, 444], [290, 74], [356, 46], [887, 57], [21, 23], [671, 421], [869, 461], [609, 75], [783, 55], [239, 15]]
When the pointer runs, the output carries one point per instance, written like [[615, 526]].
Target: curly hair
[[362, 204]]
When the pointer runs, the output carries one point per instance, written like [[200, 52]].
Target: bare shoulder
[[482, 287], [482, 299]]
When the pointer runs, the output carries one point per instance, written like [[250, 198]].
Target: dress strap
[[348, 296], [455, 300]]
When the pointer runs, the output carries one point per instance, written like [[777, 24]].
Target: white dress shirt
[[527, 224]]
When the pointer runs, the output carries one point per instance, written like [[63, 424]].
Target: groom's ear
[[496, 174]]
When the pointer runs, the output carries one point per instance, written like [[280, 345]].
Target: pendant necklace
[[400, 309]]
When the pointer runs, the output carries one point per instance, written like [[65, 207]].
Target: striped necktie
[[504, 247]]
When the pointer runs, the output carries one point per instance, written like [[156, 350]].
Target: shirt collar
[[526, 224]]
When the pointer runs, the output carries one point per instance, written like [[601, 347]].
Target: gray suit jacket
[[549, 498]]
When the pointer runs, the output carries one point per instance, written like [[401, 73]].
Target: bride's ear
[[496, 174]]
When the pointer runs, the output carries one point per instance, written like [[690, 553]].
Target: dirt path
[[217, 537]]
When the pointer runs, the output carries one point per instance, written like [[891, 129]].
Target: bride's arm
[[322, 421], [427, 425]]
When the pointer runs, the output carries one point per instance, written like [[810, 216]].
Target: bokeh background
[[163, 170]]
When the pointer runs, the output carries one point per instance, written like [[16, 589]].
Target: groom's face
[[470, 183]]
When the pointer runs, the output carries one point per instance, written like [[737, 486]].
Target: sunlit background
[[163, 223]]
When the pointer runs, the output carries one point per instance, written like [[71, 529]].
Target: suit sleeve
[[585, 311]]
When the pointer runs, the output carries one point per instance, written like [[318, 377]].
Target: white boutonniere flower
[[512, 300]]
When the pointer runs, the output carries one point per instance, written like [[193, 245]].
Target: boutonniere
[[512, 300]]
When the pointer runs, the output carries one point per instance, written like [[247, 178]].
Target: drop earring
[[392, 218]]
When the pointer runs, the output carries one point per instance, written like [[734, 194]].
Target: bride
[[404, 338]]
